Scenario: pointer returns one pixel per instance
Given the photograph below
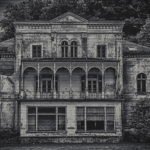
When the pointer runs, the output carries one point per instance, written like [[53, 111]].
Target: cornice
[[48, 25], [32, 25], [136, 56]]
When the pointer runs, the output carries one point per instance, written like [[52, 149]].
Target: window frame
[[105, 118], [140, 89], [100, 51], [74, 49], [47, 114], [46, 79], [64, 49], [36, 51], [98, 81]]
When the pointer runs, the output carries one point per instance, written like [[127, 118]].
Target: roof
[[132, 49]]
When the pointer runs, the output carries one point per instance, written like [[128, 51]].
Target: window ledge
[[145, 93], [95, 131], [59, 131]]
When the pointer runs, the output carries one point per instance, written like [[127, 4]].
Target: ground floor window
[[46, 118], [95, 118]]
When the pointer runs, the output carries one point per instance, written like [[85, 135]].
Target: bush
[[9, 136], [140, 122]]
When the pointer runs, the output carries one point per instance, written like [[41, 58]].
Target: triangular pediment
[[68, 17]]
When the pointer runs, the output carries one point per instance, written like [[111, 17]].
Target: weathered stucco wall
[[7, 88], [132, 67], [50, 46]]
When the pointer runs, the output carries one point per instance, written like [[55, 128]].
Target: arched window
[[74, 49], [64, 49], [141, 83]]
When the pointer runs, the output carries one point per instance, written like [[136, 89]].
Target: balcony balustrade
[[68, 95]]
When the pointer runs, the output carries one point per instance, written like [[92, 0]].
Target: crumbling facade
[[69, 75]]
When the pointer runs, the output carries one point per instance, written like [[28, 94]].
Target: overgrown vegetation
[[9, 136], [140, 122]]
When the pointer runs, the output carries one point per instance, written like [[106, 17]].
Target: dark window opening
[[95, 125], [141, 83], [101, 51], [36, 51], [74, 49], [64, 49]]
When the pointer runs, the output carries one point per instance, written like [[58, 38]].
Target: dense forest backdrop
[[135, 13]]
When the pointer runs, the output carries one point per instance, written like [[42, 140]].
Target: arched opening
[[141, 83], [30, 75], [94, 83], [74, 49], [64, 49], [110, 82], [78, 83], [63, 76], [46, 82]]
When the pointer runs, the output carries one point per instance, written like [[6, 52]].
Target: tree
[[26, 10], [140, 120], [143, 37]]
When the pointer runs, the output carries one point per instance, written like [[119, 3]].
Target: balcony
[[62, 83]]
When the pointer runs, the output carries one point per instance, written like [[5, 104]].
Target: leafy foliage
[[9, 135], [133, 10], [143, 37], [140, 120]]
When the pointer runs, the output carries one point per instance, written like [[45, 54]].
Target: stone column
[[70, 81], [86, 84], [70, 85], [38, 86], [22, 83], [54, 88], [103, 82]]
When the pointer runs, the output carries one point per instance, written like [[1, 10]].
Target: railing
[[68, 95]]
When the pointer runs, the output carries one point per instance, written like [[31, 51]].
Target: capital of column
[[22, 94]]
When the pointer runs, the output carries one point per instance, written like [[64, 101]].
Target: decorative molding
[[43, 65], [70, 66], [105, 26], [32, 25]]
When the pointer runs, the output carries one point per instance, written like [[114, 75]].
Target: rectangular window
[[101, 51], [80, 118], [95, 118], [36, 50], [110, 118], [46, 118]]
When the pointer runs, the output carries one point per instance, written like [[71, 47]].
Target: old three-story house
[[63, 79]]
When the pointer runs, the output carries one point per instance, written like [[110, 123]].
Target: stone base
[[27, 140]]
